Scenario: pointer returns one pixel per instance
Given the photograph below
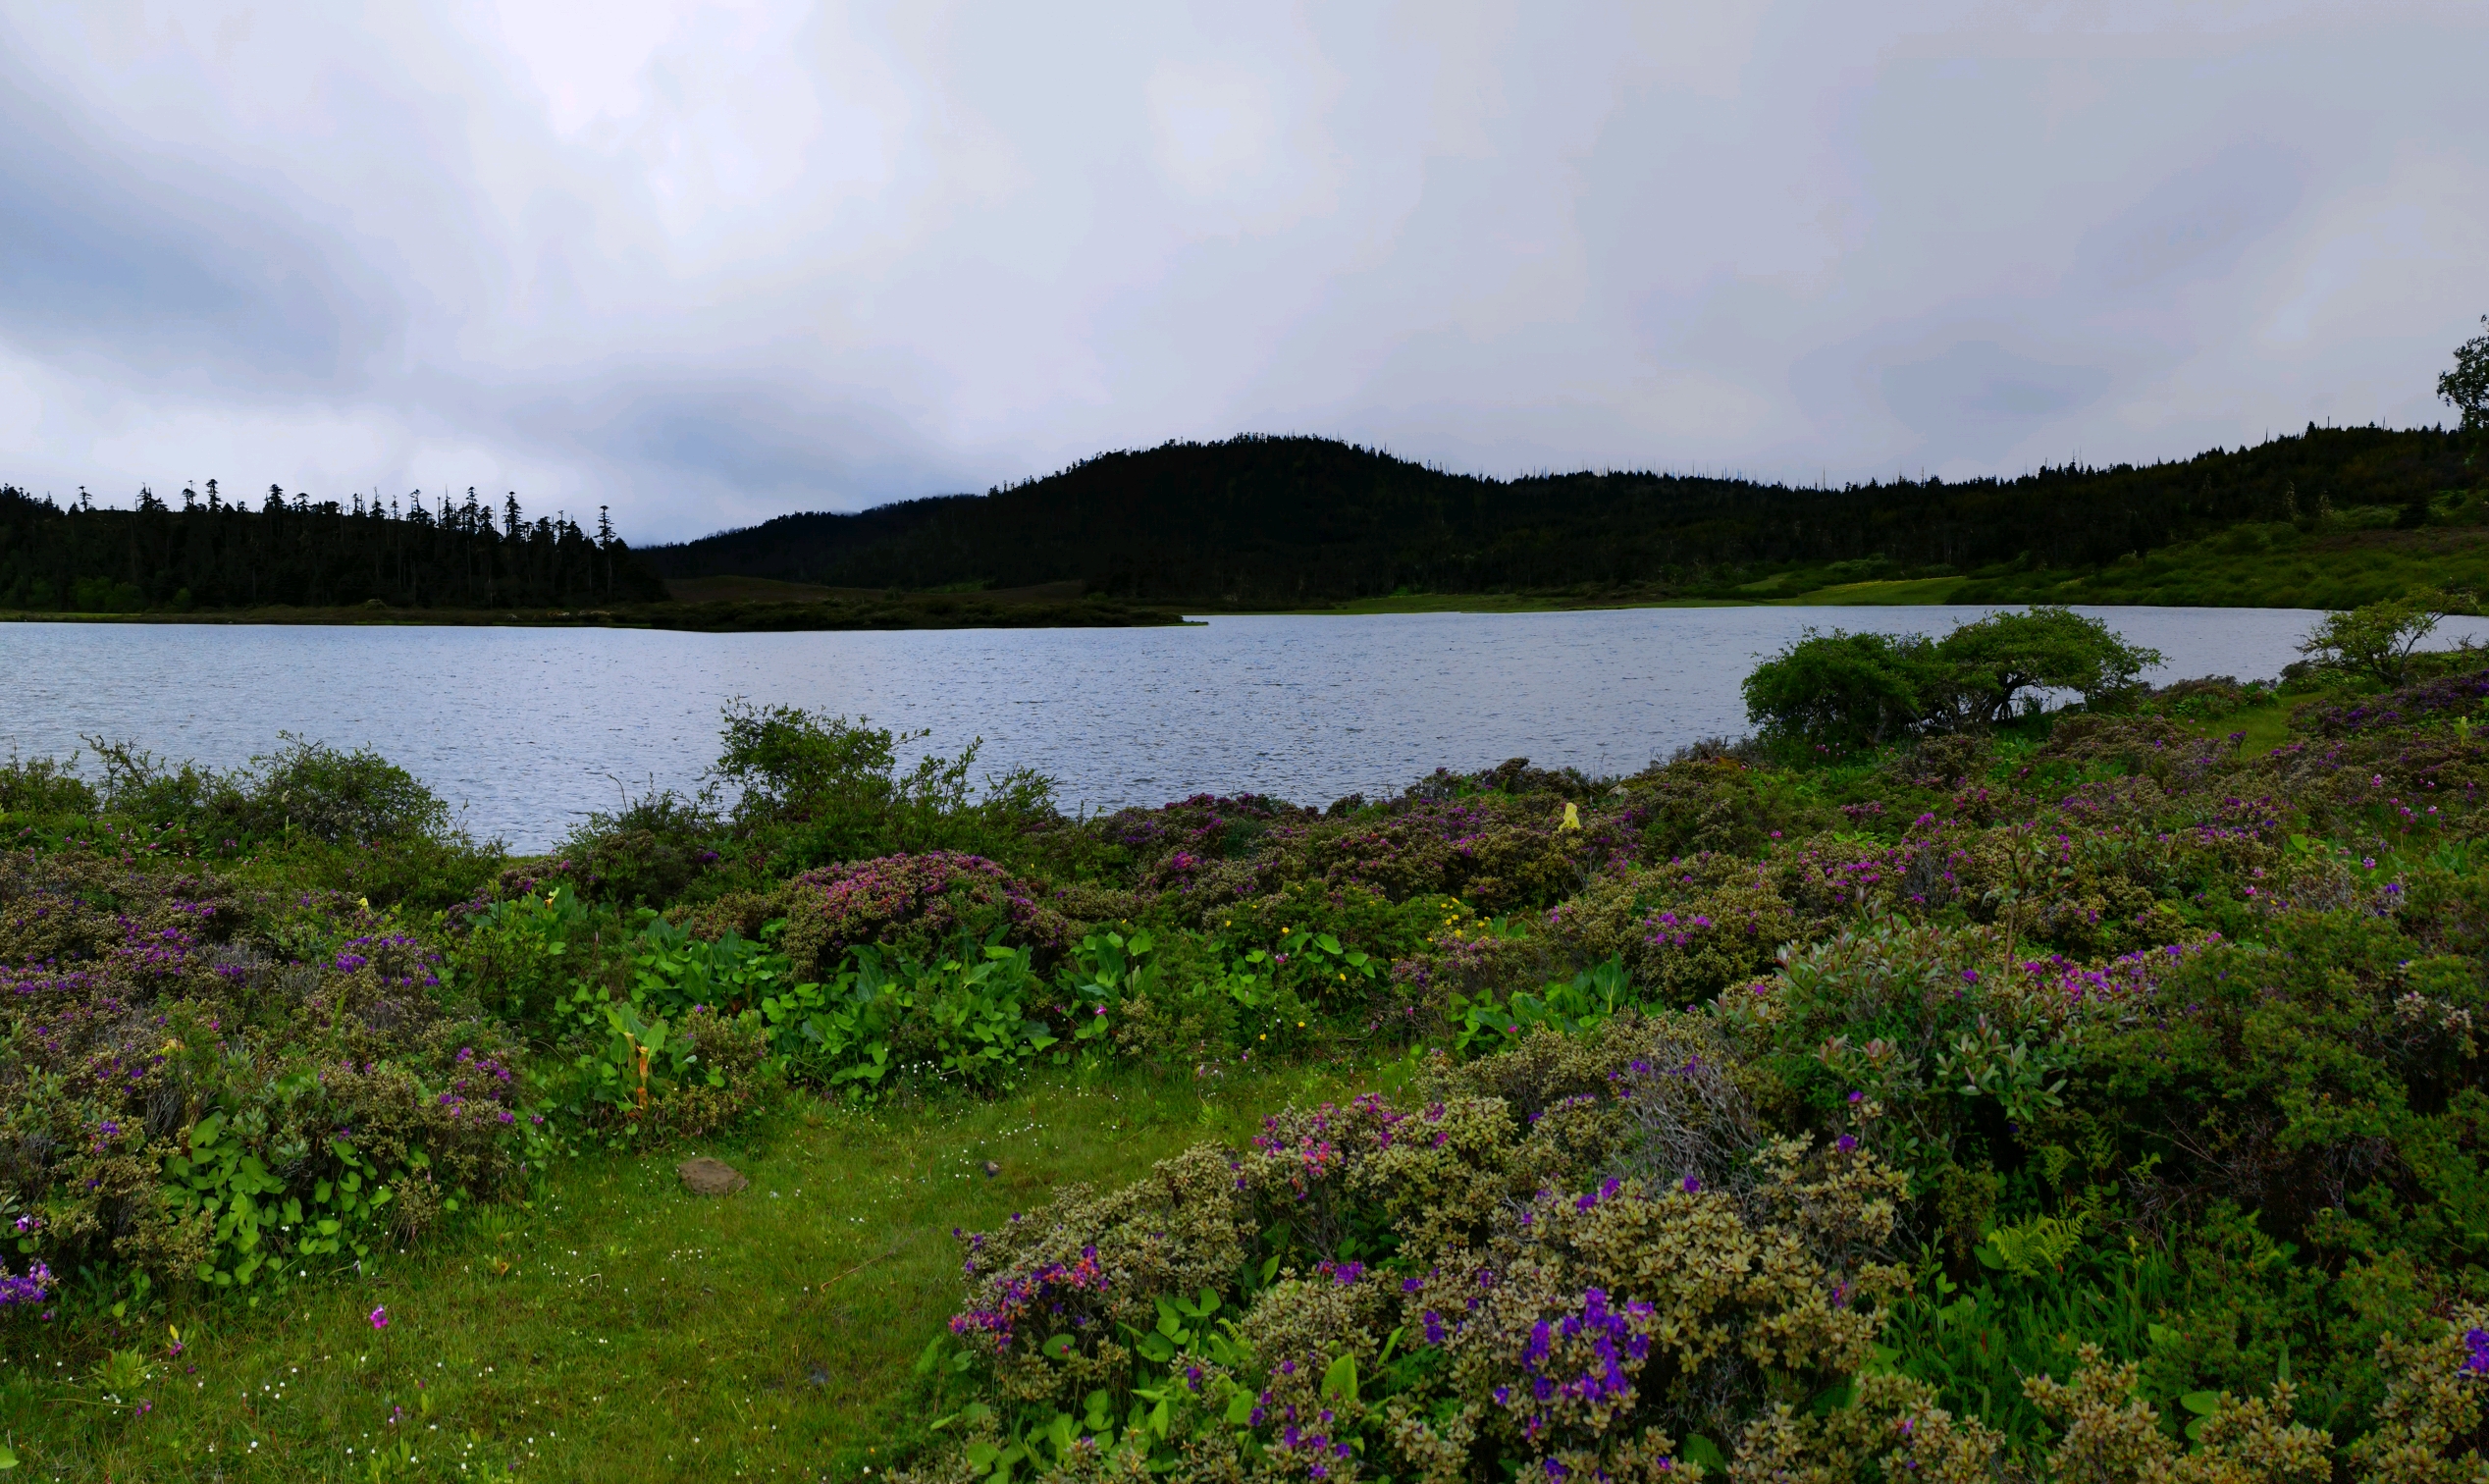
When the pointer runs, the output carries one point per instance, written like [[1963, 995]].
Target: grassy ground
[[2272, 566], [1866, 594], [615, 1327], [2261, 728], [1490, 602], [2360, 559]]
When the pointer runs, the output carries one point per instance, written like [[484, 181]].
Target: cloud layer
[[709, 263]]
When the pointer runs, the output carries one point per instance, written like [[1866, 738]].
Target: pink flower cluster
[[1039, 1293]]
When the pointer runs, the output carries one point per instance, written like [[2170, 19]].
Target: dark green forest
[[1263, 521], [210, 553], [1248, 522]]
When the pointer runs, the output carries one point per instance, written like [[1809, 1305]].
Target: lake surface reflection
[[524, 730]]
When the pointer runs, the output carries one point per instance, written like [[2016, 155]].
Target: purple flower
[[1693, 1186], [380, 1317], [30, 1289]]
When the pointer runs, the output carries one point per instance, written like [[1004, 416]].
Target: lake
[[525, 731]]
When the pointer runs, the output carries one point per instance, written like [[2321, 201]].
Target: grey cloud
[[104, 261], [2198, 223], [722, 263], [1983, 398]]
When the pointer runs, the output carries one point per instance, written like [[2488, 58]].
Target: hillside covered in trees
[[212, 553], [1308, 522], [1261, 521]]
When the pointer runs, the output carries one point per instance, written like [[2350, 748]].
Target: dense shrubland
[[2084, 1095]]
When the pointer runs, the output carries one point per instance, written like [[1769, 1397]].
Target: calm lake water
[[524, 730]]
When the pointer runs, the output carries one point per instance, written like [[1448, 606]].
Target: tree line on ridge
[[1287, 520], [213, 553]]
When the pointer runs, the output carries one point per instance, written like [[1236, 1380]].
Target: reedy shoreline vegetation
[[2090, 1096]]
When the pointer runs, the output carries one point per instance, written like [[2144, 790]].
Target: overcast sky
[[709, 263]]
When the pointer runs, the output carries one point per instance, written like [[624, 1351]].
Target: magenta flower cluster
[[31, 1288], [1043, 1291], [1587, 1358]]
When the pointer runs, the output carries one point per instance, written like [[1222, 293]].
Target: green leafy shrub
[[1681, 941], [2378, 642], [975, 1019], [817, 790], [1996, 659], [523, 956], [1841, 690], [43, 786], [1595, 995], [649, 854], [2213, 698], [338, 797], [1715, 803]]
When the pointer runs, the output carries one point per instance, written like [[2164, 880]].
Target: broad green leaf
[[1339, 1383]]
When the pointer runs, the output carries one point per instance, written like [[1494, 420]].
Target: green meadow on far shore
[[2361, 559]]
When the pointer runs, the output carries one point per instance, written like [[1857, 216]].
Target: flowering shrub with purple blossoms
[[181, 1095], [1421, 1281], [2445, 698], [919, 904], [2089, 1098], [2109, 1095]]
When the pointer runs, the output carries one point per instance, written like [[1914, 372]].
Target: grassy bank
[[610, 1326], [2357, 558]]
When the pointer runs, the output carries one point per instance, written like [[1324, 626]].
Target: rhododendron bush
[[2103, 1106], [2089, 1097]]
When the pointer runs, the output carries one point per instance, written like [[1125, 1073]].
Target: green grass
[[1505, 602], [2266, 726], [2267, 566], [1861, 593], [2357, 557], [638, 1331]]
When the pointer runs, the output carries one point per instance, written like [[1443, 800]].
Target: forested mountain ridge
[[1248, 522], [214, 554], [1283, 521]]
